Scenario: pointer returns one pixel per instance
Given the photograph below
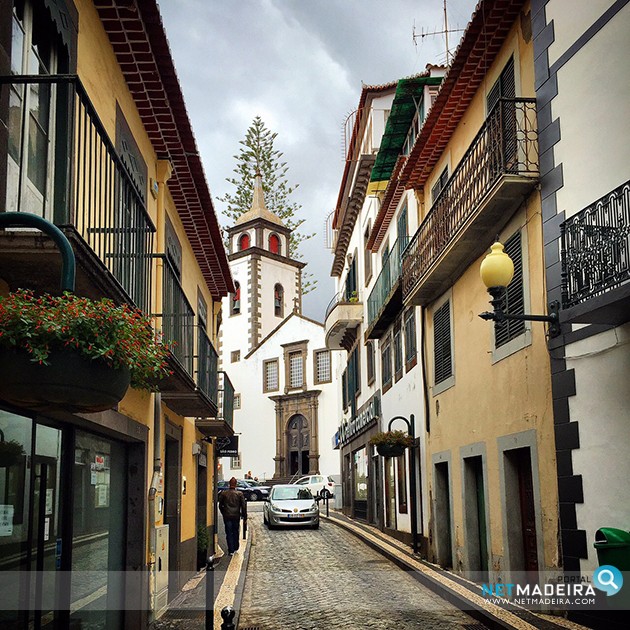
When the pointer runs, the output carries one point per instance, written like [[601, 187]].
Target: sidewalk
[[460, 592], [187, 611]]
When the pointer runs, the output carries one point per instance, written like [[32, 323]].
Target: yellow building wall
[[103, 80], [489, 401]]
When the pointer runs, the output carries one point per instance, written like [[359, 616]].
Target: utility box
[[160, 568], [338, 497]]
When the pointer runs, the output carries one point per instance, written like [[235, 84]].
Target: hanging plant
[[391, 443], [72, 334]]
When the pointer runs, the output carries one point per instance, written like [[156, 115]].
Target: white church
[[286, 404]]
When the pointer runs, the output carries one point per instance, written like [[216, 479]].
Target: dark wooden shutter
[[442, 342], [514, 301]]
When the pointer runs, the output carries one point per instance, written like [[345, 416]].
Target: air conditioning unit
[[160, 568]]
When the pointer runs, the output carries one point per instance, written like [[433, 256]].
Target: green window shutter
[[514, 299], [442, 342]]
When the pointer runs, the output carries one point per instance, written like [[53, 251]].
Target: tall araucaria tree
[[257, 153]]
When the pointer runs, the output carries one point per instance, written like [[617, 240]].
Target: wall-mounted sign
[[367, 415], [227, 446]]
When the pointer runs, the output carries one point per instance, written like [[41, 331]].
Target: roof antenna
[[445, 31]]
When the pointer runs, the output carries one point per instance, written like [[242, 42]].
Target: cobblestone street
[[317, 580]]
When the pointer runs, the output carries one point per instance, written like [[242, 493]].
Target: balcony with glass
[[344, 313], [385, 301], [595, 256], [494, 177], [61, 164]]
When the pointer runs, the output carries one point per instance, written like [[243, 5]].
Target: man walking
[[233, 506]]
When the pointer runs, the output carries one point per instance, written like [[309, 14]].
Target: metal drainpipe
[[163, 172]]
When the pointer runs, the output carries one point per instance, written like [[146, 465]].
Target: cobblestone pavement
[[320, 580]]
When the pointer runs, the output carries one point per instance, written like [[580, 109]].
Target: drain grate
[[173, 614]]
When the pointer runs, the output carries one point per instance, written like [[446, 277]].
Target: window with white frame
[[235, 356], [270, 375], [323, 372], [237, 401], [235, 462]]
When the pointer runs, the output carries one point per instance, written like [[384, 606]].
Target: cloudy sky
[[300, 65]]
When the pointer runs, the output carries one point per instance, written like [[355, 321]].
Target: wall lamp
[[497, 270]]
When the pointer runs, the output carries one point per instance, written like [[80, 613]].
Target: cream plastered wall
[[570, 20], [602, 408], [489, 401], [594, 156]]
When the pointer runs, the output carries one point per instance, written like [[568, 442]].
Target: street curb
[[491, 615], [240, 585]]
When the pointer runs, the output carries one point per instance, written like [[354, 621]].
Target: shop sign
[[368, 414], [227, 446]]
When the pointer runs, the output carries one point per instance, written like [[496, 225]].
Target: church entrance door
[[299, 438]]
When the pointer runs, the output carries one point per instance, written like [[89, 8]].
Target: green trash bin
[[613, 547]]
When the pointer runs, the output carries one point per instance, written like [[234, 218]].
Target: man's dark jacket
[[232, 504]]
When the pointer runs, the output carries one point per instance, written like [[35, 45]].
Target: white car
[[289, 505], [322, 485]]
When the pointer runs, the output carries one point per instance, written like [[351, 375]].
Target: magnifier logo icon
[[609, 579]]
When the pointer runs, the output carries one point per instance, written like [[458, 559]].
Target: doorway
[[172, 504], [444, 551], [299, 441], [521, 511], [475, 518]]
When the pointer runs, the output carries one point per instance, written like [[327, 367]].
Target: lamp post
[[497, 270], [412, 476]]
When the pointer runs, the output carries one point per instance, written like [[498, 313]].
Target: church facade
[[285, 401]]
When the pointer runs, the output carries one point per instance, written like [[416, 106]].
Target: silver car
[[289, 505]]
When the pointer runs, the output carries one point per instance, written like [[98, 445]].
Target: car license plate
[[295, 516]]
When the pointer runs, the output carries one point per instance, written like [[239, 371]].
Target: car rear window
[[288, 494]]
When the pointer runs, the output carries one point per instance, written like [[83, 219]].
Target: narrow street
[[317, 580]]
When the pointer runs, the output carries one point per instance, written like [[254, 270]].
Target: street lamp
[[497, 270], [412, 474]]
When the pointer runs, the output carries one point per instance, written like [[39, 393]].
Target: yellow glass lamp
[[497, 268], [497, 271]]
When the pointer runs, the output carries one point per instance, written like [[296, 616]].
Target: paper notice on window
[[6, 520]]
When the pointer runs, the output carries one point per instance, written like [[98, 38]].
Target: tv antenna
[[444, 32]]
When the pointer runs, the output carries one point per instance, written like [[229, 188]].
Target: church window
[[243, 242], [278, 300], [322, 366], [235, 300], [274, 244], [296, 369], [270, 375]]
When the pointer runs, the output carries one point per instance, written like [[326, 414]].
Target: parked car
[[322, 485], [289, 505], [251, 489]]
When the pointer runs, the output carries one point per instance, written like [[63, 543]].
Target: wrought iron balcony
[[223, 424], [207, 364], [385, 301], [61, 164], [497, 172], [596, 261], [343, 315]]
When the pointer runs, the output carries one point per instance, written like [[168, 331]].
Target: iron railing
[[178, 317], [387, 279], [596, 248], [207, 364], [226, 399], [507, 144], [81, 181]]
